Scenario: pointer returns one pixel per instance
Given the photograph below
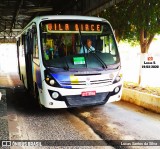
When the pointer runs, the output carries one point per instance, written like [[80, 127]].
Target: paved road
[[26, 122], [122, 121], [3, 116]]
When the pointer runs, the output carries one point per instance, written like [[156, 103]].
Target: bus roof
[[71, 17], [63, 17]]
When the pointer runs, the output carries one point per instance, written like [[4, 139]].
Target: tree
[[116, 16], [145, 17], [135, 20]]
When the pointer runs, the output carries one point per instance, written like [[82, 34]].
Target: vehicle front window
[[78, 45]]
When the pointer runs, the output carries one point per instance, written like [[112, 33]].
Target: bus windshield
[[82, 44]]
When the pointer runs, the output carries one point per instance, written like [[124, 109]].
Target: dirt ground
[[150, 90]]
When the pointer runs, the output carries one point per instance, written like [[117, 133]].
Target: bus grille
[[76, 101], [84, 82]]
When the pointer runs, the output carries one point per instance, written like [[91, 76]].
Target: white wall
[[130, 57], [8, 58]]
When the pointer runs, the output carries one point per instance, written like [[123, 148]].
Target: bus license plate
[[88, 93]]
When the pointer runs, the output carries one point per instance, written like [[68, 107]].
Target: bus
[[69, 61]]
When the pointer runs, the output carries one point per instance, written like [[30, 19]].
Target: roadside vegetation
[[135, 21], [146, 89]]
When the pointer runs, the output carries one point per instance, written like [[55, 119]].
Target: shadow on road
[[21, 102]]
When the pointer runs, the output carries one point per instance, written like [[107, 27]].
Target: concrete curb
[[148, 101]]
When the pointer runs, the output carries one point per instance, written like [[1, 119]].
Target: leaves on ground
[[147, 89]]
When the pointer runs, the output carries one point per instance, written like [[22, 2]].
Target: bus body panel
[[38, 69], [22, 63], [72, 92], [37, 73]]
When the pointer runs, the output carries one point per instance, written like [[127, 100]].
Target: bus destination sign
[[87, 27]]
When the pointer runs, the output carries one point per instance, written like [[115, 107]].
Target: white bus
[[70, 61]]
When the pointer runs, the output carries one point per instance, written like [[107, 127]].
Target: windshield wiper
[[100, 60], [82, 46]]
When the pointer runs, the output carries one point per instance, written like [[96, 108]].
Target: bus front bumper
[[72, 97]]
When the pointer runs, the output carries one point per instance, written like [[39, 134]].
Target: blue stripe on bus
[[69, 87], [60, 77]]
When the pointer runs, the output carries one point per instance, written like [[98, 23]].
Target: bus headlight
[[51, 82], [116, 90], [118, 78], [55, 95]]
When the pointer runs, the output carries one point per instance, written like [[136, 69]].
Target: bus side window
[[29, 44], [35, 46], [23, 44]]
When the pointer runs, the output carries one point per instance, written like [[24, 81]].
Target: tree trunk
[[117, 35], [144, 44]]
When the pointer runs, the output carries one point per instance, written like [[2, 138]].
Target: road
[[114, 121], [121, 121], [27, 122]]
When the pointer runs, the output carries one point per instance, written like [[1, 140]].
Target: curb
[[148, 101]]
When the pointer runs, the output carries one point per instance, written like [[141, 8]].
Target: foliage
[[130, 18], [135, 21]]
